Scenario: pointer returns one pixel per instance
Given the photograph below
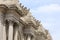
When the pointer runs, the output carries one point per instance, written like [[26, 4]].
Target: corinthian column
[[1, 26], [4, 32], [10, 35]]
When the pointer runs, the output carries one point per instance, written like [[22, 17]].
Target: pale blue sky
[[48, 12]]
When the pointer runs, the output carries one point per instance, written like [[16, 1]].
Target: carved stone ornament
[[17, 23]]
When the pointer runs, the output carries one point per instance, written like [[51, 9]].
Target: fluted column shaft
[[10, 35], [4, 32]]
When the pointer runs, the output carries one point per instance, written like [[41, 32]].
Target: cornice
[[22, 12], [3, 6]]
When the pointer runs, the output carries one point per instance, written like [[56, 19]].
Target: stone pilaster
[[2, 27]]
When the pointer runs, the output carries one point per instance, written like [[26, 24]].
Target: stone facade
[[17, 23]]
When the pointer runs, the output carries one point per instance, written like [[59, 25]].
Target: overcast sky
[[48, 12]]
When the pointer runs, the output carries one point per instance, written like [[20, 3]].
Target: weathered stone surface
[[17, 23], [9, 2]]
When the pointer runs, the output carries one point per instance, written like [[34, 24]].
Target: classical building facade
[[17, 23]]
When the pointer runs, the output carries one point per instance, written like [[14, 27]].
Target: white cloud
[[47, 8]]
